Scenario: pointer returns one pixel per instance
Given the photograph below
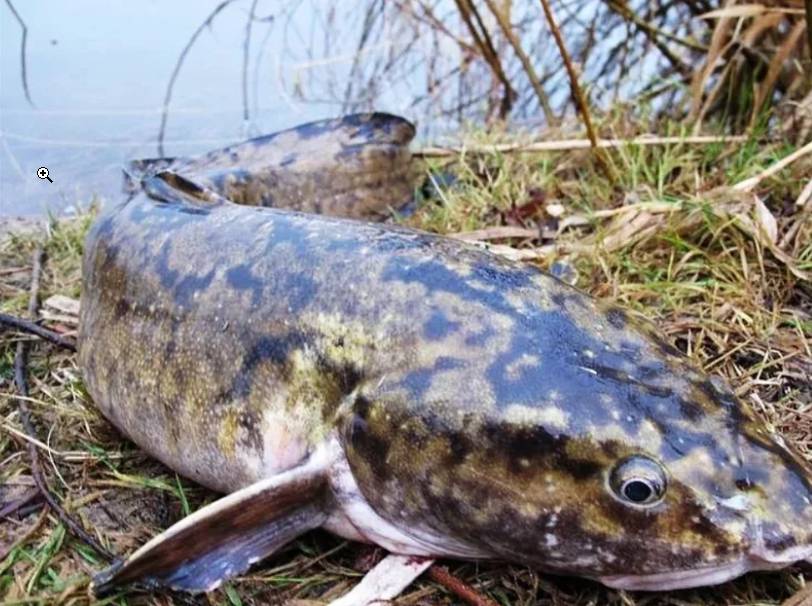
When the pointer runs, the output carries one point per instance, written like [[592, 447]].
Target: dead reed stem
[[577, 92], [507, 30]]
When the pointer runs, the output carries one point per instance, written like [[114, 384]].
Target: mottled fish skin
[[483, 407], [354, 166]]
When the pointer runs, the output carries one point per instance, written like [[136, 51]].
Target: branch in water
[[176, 71], [246, 49], [22, 51]]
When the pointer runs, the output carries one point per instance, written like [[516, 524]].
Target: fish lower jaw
[[710, 575], [764, 559], [680, 579]]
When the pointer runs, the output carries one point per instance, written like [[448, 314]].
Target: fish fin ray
[[169, 187], [226, 537]]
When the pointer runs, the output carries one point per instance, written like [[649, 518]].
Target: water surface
[[98, 72]]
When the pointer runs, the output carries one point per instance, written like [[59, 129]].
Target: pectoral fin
[[173, 188], [223, 539]]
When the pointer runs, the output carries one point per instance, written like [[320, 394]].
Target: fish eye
[[638, 480]]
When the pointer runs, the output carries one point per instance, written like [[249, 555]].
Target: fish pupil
[[637, 491]]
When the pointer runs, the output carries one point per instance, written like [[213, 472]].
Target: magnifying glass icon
[[42, 173]]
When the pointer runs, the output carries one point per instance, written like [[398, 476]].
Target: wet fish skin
[[355, 166], [481, 408]]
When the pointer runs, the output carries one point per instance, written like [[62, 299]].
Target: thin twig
[[571, 144], [576, 90], [751, 183], [805, 195], [26, 511], [36, 329], [485, 45], [176, 71], [258, 60], [803, 597], [648, 27], [431, 20], [461, 589], [22, 50], [246, 50], [652, 34], [808, 10], [13, 507], [510, 93], [504, 24], [20, 363], [366, 31], [27, 535]]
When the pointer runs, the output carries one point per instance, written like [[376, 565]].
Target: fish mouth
[[680, 579], [761, 559]]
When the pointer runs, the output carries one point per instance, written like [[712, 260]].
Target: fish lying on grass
[[405, 389]]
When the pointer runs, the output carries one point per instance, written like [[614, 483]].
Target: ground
[[663, 229]]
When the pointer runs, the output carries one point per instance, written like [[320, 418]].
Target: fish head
[[605, 454], [684, 506], [724, 494]]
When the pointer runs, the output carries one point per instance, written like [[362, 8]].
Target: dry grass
[[729, 62], [670, 239]]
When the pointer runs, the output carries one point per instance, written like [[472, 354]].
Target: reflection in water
[[98, 74]]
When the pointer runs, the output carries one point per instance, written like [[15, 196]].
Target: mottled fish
[[405, 389]]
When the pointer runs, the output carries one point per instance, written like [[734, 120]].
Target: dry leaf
[[496, 233], [627, 230], [801, 598], [61, 318], [742, 10], [555, 210], [765, 217], [720, 44], [520, 254], [765, 89], [717, 49], [805, 196], [66, 305], [736, 204]]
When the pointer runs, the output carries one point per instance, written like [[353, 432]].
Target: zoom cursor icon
[[42, 173]]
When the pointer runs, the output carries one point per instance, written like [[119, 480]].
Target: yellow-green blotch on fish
[[405, 389]]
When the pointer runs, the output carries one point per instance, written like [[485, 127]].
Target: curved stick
[[35, 329]]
